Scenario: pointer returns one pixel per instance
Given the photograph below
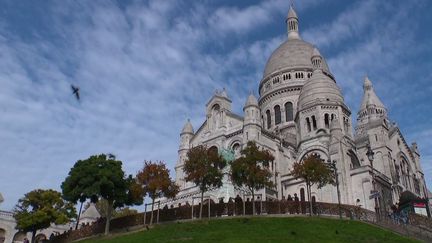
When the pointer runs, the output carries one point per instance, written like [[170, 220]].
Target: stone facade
[[301, 110], [9, 234]]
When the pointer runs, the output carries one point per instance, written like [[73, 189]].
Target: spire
[[369, 97], [371, 106], [292, 24], [188, 128], [316, 59], [251, 101]]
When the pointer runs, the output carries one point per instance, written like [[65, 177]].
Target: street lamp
[[370, 156], [332, 165]]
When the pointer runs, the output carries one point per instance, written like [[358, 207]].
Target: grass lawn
[[262, 229]]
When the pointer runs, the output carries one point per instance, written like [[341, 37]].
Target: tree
[[204, 168], [312, 170], [39, 208], [251, 170], [156, 182], [101, 176]]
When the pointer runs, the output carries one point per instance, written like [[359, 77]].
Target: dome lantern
[[292, 24], [316, 59]]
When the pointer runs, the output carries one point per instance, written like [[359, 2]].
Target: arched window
[[268, 119], [354, 160], [213, 149], [308, 124], [289, 116], [236, 149], [333, 116], [326, 120], [314, 123], [289, 75], [277, 112]]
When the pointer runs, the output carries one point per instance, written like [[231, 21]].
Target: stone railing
[[6, 214], [232, 208]]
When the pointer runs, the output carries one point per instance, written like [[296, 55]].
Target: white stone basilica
[[301, 110]]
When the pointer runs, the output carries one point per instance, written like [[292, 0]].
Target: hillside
[[265, 229]]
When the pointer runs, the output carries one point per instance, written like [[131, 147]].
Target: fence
[[232, 208]]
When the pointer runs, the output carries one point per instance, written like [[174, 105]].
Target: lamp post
[[332, 165], [370, 156]]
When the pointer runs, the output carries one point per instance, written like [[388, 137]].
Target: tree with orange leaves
[[312, 170], [156, 182], [204, 168], [251, 170]]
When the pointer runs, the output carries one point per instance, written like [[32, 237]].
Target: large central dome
[[292, 54]]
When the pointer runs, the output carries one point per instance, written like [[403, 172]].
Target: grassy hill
[[261, 229]]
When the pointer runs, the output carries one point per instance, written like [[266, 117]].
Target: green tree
[[313, 171], [39, 208], [156, 182], [204, 168], [101, 176], [251, 170]]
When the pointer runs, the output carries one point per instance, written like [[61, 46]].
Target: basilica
[[301, 111]]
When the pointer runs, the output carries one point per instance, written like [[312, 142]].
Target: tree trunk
[[33, 239], [244, 205], [201, 206], [253, 203], [151, 215], [78, 216], [308, 186], [108, 218]]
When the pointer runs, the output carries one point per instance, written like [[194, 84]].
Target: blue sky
[[144, 67]]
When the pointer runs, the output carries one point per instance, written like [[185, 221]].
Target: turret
[[252, 119], [185, 135], [185, 138], [316, 60], [371, 108]]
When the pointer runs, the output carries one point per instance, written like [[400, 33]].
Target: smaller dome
[[319, 88], [251, 101], [188, 128]]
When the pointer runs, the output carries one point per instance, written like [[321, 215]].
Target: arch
[[277, 112], [355, 162], [326, 120], [213, 149], [289, 114], [19, 236], [216, 107], [314, 123], [302, 194], [308, 124], [268, 119], [236, 148], [2, 235], [41, 238], [317, 149]]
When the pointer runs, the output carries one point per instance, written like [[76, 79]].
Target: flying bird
[[75, 91]]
